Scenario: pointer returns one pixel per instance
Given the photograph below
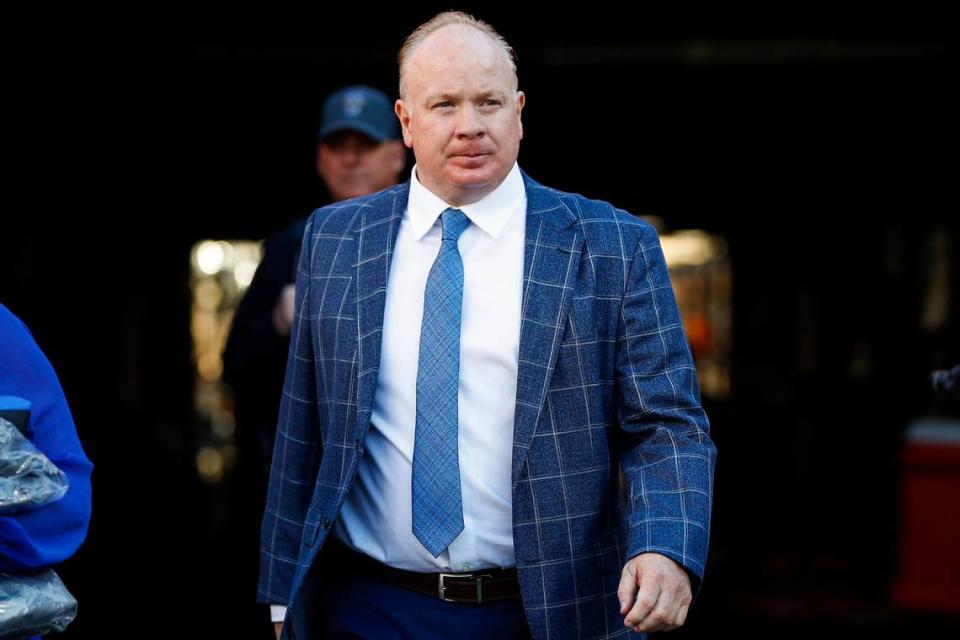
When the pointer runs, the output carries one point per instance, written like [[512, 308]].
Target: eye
[[443, 104]]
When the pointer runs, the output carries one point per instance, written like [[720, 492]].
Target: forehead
[[457, 57]]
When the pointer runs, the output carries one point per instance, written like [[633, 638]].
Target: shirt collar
[[491, 213]]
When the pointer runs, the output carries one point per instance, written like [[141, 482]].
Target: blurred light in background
[[208, 257], [220, 273], [700, 274]]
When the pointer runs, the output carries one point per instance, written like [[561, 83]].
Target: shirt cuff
[[277, 612]]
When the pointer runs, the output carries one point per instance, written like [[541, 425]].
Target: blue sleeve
[[296, 452], [50, 534], [669, 457]]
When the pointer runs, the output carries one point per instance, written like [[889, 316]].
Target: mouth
[[470, 158]]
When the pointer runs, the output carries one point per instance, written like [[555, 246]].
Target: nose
[[470, 124], [350, 154]]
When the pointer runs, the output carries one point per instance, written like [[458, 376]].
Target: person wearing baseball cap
[[359, 148]]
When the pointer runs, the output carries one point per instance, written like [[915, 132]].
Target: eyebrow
[[489, 93], [439, 97]]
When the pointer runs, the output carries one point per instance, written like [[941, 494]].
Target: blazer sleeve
[[297, 449], [667, 456], [37, 538]]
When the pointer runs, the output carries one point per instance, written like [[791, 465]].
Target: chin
[[474, 179], [355, 193]]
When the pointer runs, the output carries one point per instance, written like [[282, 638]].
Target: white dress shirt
[[376, 517]]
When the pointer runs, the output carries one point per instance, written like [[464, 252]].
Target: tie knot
[[453, 222]]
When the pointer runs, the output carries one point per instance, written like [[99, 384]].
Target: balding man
[[474, 358]]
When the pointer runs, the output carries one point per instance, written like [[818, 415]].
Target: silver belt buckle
[[442, 588], [477, 580]]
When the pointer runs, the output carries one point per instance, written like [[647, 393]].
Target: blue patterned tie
[[437, 505]]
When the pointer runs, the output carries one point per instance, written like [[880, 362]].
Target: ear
[[521, 100], [403, 113]]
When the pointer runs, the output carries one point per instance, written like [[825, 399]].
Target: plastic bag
[[30, 604], [34, 604], [27, 477]]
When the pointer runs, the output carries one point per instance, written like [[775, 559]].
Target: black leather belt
[[485, 585]]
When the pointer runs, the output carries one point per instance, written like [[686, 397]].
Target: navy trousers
[[364, 606]]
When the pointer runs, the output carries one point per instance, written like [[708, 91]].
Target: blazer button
[[325, 523]]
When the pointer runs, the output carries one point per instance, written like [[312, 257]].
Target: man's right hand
[[278, 627]]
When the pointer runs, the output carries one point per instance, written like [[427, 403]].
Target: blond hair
[[446, 19]]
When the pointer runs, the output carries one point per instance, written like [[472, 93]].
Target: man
[[358, 152], [473, 356]]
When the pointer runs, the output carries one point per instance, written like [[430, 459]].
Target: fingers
[[653, 596], [644, 611], [666, 615], [627, 591]]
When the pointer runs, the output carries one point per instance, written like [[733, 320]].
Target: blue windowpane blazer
[[606, 382]]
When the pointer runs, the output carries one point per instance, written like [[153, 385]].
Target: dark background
[[822, 147]]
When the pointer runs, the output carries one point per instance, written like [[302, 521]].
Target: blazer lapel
[[551, 258], [375, 240]]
